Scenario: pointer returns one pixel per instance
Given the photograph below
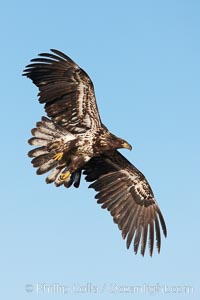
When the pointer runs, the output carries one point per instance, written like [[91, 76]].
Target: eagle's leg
[[60, 148], [57, 148], [58, 156], [66, 173], [75, 164]]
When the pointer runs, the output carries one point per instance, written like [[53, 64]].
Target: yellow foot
[[64, 176], [58, 156]]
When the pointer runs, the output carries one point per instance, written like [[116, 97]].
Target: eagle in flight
[[73, 141]]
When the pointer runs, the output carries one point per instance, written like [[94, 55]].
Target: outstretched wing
[[66, 90], [125, 192]]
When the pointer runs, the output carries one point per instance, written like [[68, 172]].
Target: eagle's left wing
[[66, 90], [125, 192]]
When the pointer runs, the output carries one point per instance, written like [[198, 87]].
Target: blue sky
[[144, 59]]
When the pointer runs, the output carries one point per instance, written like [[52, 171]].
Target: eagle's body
[[75, 141]]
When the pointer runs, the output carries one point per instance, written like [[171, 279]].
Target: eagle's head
[[117, 143], [125, 144]]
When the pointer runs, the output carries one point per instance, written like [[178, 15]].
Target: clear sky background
[[144, 59]]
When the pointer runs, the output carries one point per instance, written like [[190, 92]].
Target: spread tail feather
[[50, 139]]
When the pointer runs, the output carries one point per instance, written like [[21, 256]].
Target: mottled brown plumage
[[73, 140]]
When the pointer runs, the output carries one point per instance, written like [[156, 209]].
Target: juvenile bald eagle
[[73, 140]]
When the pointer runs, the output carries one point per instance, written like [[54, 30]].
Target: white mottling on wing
[[81, 89]]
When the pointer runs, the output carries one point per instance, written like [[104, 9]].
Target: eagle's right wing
[[66, 90], [125, 192]]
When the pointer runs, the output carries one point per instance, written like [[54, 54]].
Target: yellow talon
[[64, 176], [58, 156]]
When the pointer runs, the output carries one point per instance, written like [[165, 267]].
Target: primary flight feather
[[73, 141]]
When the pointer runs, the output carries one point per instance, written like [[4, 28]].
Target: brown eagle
[[73, 140]]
